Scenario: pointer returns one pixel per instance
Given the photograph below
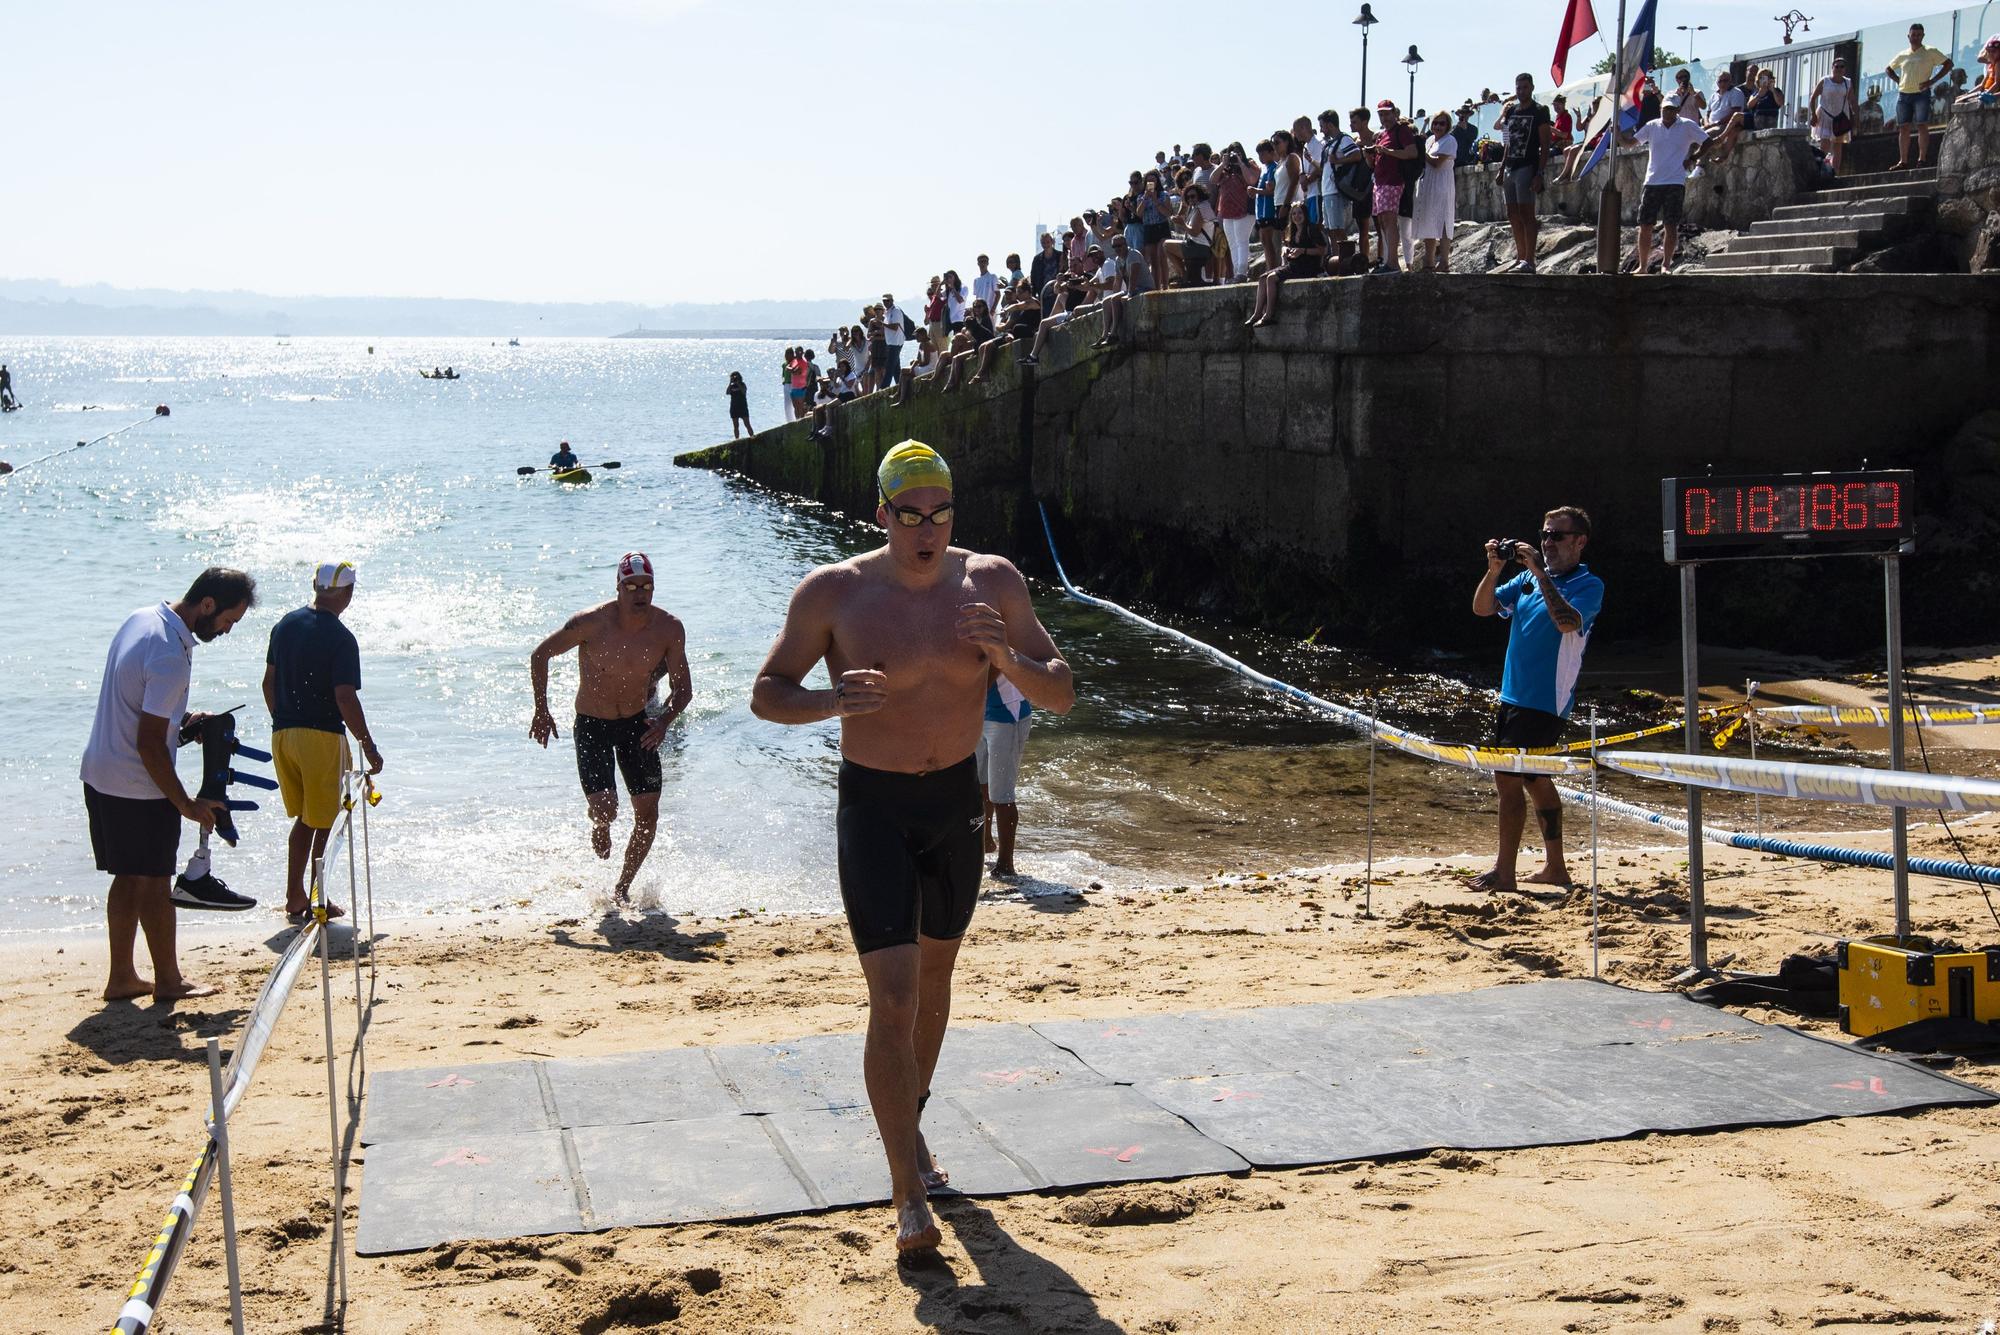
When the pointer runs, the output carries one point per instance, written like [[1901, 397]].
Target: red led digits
[[1763, 509], [1697, 512], [1854, 506], [1785, 514]]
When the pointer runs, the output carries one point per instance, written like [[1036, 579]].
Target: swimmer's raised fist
[[861, 691]]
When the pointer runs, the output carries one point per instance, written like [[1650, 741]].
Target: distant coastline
[[788, 335], [34, 307]]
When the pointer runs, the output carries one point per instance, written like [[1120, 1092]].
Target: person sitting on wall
[[1988, 88], [1724, 124]]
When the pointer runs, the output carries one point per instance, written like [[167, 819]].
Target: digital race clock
[[1787, 514]]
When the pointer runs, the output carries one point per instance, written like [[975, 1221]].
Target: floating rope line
[[161, 411], [1482, 758]]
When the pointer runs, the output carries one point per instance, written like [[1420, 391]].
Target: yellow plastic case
[[1885, 986]]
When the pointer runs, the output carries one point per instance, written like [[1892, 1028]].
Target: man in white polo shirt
[[134, 799]]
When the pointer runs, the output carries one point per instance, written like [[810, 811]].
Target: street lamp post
[[1795, 19], [1699, 27], [1410, 62], [1365, 22]]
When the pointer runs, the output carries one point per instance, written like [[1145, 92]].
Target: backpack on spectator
[[1412, 168], [1352, 181]]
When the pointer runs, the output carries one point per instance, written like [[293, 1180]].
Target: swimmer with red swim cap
[[623, 649], [910, 634]]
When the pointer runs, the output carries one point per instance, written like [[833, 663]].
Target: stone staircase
[[1836, 225]]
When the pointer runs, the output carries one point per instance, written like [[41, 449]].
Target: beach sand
[[1867, 1221]]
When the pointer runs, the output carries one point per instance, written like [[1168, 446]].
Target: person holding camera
[[1231, 192], [1549, 608]]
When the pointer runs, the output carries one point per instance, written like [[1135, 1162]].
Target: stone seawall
[[1341, 467]]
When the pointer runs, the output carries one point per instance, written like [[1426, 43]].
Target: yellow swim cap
[[911, 465]]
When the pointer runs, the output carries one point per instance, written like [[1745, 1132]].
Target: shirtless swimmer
[[909, 633], [624, 646]]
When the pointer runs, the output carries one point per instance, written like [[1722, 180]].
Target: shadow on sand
[[658, 933], [127, 1031], [1017, 1289]]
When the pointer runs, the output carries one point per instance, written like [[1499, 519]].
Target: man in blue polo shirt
[[1549, 608]]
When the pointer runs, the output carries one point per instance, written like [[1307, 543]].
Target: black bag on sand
[[1806, 984]]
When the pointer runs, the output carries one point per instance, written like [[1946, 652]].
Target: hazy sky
[[673, 150]]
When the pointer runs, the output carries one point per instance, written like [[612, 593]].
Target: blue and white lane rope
[[1853, 857]]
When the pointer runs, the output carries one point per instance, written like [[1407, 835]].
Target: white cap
[[334, 575]]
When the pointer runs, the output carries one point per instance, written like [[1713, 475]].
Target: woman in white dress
[[1832, 110], [1436, 214]]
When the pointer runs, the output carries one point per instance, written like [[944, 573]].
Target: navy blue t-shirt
[[313, 653]]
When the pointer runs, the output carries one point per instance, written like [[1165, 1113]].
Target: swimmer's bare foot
[[1550, 876], [1491, 881], [304, 910], [934, 1178], [621, 895], [183, 989], [127, 989], [600, 840], [1004, 869], [916, 1229]]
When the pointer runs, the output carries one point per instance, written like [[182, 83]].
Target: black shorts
[[133, 836], [1661, 204], [909, 853], [1517, 725], [600, 741], [1157, 232], [739, 414]]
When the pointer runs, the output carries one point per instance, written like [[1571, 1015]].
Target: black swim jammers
[[601, 741], [909, 853]]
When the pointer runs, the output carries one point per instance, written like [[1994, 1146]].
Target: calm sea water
[[281, 454]]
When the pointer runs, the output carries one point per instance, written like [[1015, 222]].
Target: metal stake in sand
[[1593, 841], [219, 1129], [1899, 828], [1691, 702], [350, 783], [368, 799], [1368, 884], [332, 1089], [1750, 726]]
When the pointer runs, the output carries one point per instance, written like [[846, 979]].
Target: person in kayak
[[563, 459]]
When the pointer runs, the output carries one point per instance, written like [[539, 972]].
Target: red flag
[[1578, 24]]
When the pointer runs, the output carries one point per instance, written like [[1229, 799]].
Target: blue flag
[[1638, 52], [1628, 121]]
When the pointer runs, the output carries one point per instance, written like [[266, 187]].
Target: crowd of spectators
[[1364, 192]]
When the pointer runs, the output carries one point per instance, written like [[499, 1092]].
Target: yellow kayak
[[576, 476]]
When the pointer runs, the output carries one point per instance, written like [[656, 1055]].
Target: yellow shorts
[[308, 762]]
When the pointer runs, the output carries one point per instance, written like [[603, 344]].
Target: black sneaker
[[210, 892]]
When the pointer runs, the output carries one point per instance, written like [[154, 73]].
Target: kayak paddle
[[551, 468]]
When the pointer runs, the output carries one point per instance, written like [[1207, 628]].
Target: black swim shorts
[[134, 836], [600, 741], [909, 853], [1518, 725]]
